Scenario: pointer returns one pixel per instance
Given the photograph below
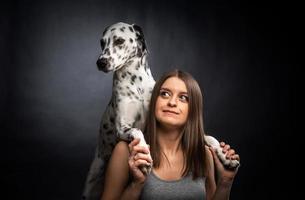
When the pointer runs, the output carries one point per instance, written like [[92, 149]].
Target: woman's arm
[[225, 176], [117, 175], [210, 183]]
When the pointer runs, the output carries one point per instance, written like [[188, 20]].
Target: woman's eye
[[164, 94], [184, 98], [119, 41]]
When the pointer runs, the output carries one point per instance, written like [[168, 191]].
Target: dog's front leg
[[128, 114]]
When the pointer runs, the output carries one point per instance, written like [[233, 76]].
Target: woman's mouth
[[171, 111]]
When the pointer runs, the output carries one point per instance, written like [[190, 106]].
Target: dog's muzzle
[[103, 64]]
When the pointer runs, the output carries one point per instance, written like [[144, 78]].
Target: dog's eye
[[118, 41], [102, 43]]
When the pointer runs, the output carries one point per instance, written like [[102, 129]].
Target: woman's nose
[[172, 101]]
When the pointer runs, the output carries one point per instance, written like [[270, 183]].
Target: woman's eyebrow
[[169, 90]]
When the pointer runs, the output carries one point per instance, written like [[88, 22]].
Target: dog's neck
[[134, 66]]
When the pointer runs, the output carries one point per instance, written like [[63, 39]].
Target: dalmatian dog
[[124, 52]]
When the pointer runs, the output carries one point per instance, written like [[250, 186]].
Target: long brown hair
[[192, 141]]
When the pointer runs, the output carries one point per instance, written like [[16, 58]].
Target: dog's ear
[[105, 30], [140, 39]]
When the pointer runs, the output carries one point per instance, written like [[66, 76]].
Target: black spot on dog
[[106, 29], [123, 75], [129, 137], [118, 41], [138, 117], [133, 77], [130, 28], [112, 120], [131, 40], [107, 52], [127, 129], [140, 78], [130, 62], [105, 126], [112, 29], [139, 52], [122, 29], [102, 43]]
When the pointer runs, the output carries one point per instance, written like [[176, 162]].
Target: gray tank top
[[183, 189]]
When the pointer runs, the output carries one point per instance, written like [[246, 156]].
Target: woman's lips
[[170, 111]]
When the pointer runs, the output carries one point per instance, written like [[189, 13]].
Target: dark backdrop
[[53, 96]]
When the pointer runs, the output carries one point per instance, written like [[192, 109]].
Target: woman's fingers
[[235, 157], [141, 149], [230, 153], [143, 157], [226, 148], [133, 143], [140, 162]]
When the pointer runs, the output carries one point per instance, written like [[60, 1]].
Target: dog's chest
[[133, 84]]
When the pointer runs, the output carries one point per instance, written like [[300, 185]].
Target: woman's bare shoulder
[[121, 148]]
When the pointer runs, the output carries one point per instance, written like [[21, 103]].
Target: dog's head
[[120, 42]]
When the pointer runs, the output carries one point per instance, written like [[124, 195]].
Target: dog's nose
[[102, 63]]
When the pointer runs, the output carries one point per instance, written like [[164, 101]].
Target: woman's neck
[[169, 140]]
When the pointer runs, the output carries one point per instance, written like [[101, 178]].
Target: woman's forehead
[[174, 84]]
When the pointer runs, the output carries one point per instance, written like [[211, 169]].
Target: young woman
[[183, 167]]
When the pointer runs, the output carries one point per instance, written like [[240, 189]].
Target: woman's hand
[[139, 156], [225, 174]]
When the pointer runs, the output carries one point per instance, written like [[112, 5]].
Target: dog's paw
[[226, 162], [146, 169], [211, 141]]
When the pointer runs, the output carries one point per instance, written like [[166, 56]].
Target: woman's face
[[172, 103]]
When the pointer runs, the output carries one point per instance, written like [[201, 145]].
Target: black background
[[53, 96]]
